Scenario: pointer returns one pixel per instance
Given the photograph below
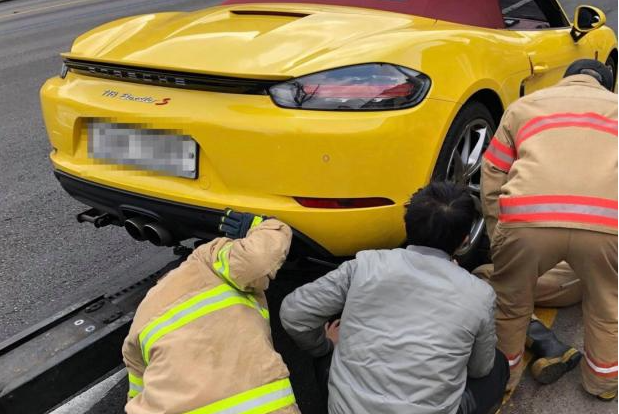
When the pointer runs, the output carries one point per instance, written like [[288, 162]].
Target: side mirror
[[586, 19]]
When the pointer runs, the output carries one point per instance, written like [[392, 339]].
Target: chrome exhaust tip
[[158, 235], [135, 227]]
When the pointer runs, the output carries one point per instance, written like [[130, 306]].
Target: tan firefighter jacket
[[200, 341], [553, 160]]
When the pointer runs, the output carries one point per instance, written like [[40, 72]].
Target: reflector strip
[[336, 203], [136, 385], [590, 210], [500, 155], [566, 120], [212, 300], [261, 400], [560, 208], [603, 370], [570, 199], [222, 265], [514, 360]]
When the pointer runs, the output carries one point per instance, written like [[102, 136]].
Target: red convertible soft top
[[482, 13]]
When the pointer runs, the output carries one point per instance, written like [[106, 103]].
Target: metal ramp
[[50, 362]]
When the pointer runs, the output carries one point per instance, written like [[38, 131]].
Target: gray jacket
[[414, 324]]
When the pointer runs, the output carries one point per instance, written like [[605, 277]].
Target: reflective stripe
[[566, 120], [514, 360], [200, 305], [603, 370], [256, 222], [263, 311], [260, 400], [222, 265], [500, 155], [136, 385], [570, 199], [561, 208], [577, 209]]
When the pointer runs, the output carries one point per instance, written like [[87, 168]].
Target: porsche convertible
[[327, 114]]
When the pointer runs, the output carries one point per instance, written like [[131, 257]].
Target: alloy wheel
[[464, 168]]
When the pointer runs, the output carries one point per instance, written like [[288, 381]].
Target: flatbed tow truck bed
[[72, 350]]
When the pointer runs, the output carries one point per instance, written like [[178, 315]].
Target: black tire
[[471, 111], [611, 63]]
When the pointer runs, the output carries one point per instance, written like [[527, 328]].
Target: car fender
[[603, 41]]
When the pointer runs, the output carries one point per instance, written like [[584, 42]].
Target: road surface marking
[[86, 400]]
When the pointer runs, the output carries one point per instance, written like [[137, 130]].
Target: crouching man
[[417, 331], [201, 341]]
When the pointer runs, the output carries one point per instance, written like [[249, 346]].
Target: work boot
[[607, 396], [554, 358]]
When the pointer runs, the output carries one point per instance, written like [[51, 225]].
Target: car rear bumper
[[182, 220], [259, 158]]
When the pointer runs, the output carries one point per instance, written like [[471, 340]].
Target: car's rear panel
[[255, 156]]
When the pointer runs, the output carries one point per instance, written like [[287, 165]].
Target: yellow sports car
[[326, 114]]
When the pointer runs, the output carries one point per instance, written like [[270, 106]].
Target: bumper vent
[[172, 79]]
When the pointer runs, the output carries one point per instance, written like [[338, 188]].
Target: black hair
[[440, 215], [593, 68]]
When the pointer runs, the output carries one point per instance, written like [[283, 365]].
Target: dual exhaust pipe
[[144, 228]]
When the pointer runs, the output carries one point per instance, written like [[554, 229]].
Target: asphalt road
[[48, 260]]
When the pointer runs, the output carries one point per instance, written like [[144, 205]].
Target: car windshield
[[483, 13]]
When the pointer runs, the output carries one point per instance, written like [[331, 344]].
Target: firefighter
[[559, 287], [550, 177], [200, 341]]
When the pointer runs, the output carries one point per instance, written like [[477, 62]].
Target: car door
[[547, 41]]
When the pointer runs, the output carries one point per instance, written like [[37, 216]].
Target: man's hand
[[332, 331], [235, 225]]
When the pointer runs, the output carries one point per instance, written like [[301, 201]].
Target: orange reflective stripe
[[514, 360], [589, 120], [500, 155], [563, 208], [601, 369]]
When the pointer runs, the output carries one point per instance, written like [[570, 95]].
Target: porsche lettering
[[136, 75]]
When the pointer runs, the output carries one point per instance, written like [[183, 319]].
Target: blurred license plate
[[150, 149]]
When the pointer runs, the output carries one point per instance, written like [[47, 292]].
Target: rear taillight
[[367, 87], [338, 203]]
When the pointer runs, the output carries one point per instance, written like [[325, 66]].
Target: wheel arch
[[491, 100]]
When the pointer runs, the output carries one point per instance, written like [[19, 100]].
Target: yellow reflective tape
[[256, 222], [263, 311], [171, 312], [136, 385], [260, 400], [237, 299], [200, 305], [222, 265], [134, 379], [272, 406], [190, 318], [177, 309]]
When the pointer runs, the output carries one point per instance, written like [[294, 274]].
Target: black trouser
[[321, 372], [484, 395], [481, 396]]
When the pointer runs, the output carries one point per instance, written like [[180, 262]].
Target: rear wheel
[[611, 64], [460, 161]]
